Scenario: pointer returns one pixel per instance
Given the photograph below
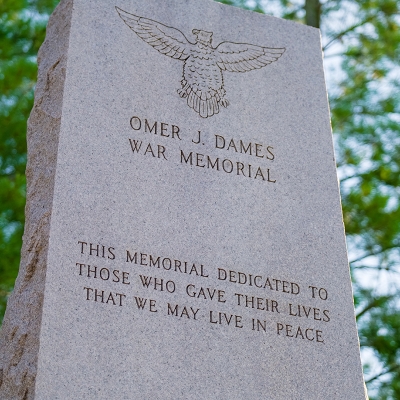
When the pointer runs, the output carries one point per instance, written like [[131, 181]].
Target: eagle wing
[[169, 41], [242, 57]]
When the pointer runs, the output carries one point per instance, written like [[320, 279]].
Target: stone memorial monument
[[184, 235]]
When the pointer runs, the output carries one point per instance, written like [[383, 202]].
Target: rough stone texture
[[19, 338], [96, 342]]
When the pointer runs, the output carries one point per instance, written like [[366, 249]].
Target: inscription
[[258, 325], [284, 319], [180, 311], [319, 292], [157, 128], [222, 318], [299, 333], [255, 152], [258, 281], [166, 263], [105, 274], [258, 303], [97, 250], [144, 304], [105, 297], [205, 293], [226, 165], [147, 150], [309, 312], [157, 284], [252, 149]]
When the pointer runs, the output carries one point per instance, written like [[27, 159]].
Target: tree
[[361, 43], [22, 29]]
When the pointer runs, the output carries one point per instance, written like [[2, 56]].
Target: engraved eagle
[[203, 81]]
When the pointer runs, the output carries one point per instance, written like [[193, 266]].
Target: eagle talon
[[182, 93], [224, 103]]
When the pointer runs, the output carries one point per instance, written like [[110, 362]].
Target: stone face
[[184, 233]]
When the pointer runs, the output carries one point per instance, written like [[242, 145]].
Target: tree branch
[[377, 302], [374, 253], [346, 31], [350, 177], [387, 371]]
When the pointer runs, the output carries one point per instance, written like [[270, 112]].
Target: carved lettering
[[225, 165], [105, 297], [105, 274], [298, 332], [200, 292], [144, 304], [179, 311], [97, 250], [155, 127], [258, 281], [222, 318], [157, 284], [258, 303], [320, 292], [239, 146], [258, 325], [205, 293], [168, 264], [148, 150]]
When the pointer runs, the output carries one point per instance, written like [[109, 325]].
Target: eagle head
[[203, 36]]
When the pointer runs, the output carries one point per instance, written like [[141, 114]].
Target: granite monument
[[184, 236]]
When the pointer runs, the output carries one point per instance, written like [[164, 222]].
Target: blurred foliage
[[366, 120], [361, 44], [22, 30]]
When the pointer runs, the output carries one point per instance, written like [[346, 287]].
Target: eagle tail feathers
[[205, 103]]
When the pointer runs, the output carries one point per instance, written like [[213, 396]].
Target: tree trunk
[[313, 13]]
